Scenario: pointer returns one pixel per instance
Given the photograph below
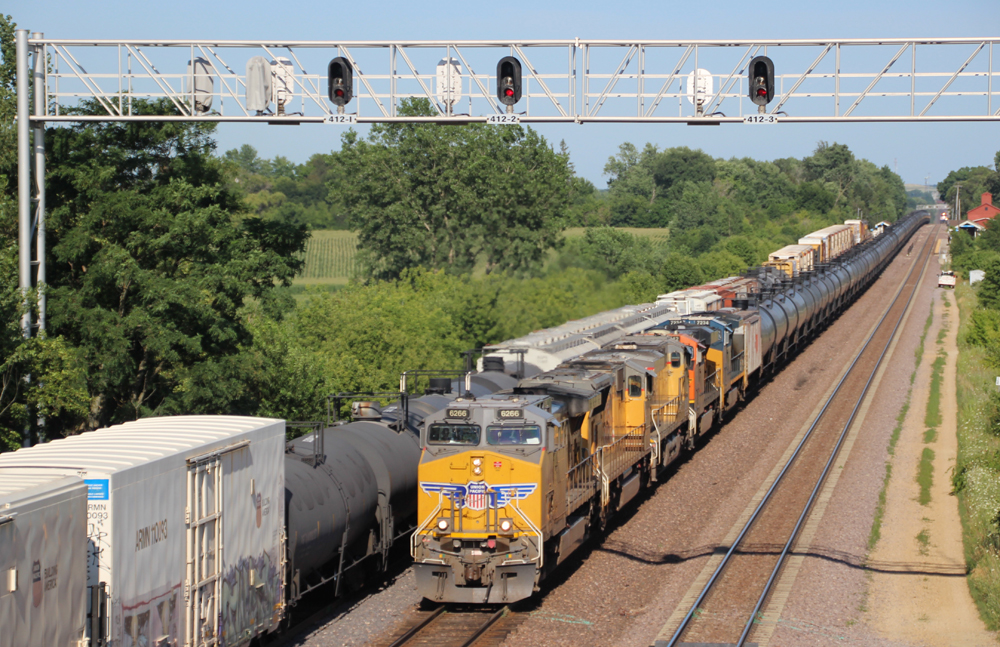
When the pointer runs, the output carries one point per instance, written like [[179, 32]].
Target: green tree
[[447, 196], [152, 262], [615, 252], [989, 290], [743, 249], [974, 182], [833, 165], [245, 157], [57, 388], [632, 191], [639, 287], [678, 272], [674, 166]]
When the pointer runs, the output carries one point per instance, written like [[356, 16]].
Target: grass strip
[[924, 539], [932, 418], [976, 479], [925, 475]]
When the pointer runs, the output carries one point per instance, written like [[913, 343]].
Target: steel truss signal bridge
[[929, 79], [575, 81]]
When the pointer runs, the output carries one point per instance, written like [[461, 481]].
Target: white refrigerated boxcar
[[43, 558], [186, 518]]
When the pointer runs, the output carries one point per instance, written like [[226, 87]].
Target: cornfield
[[330, 255]]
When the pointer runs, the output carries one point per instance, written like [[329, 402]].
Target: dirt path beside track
[[918, 592]]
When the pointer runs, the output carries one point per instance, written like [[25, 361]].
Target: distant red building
[[984, 212]]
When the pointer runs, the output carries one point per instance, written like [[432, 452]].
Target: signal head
[[341, 81], [509, 80], [761, 80]]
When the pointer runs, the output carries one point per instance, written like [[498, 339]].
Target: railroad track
[[455, 626], [729, 606]]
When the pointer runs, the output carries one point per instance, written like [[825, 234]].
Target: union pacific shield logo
[[477, 494], [477, 497]]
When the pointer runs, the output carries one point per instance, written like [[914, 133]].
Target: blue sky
[[915, 150]]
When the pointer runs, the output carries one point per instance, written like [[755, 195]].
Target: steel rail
[[836, 450], [501, 612], [777, 481], [415, 629], [437, 613]]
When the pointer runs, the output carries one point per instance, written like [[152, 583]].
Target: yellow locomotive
[[512, 483]]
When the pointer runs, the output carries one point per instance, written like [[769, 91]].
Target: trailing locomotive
[[513, 483]]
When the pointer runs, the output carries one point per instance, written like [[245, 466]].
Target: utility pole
[[958, 200]]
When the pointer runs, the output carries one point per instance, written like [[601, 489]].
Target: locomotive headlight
[[442, 525], [477, 462], [477, 470], [506, 526]]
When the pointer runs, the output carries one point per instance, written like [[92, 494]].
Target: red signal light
[[761, 92], [509, 92], [339, 92]]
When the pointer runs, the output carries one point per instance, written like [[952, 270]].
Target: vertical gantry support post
[[40, 98], [40, 89], [23, 198], [23, 178]]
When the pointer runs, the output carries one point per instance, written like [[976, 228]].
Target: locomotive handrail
[[534, 529], [673, 409], [618, 456], [423, 526], [736, 362], [710, 385], [580, 475]]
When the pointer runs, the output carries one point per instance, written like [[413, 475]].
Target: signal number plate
[[504, 120], [341, 120], [760, 119]]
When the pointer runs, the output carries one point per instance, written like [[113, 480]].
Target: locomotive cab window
[[526, 435], [445, 434], [675, 359], [634, 386]]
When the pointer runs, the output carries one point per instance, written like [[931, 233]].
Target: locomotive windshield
[[527, 435], [444, 434]]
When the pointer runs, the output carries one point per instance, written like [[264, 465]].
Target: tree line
[[969, 183], [982, 253], [169, 264]]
